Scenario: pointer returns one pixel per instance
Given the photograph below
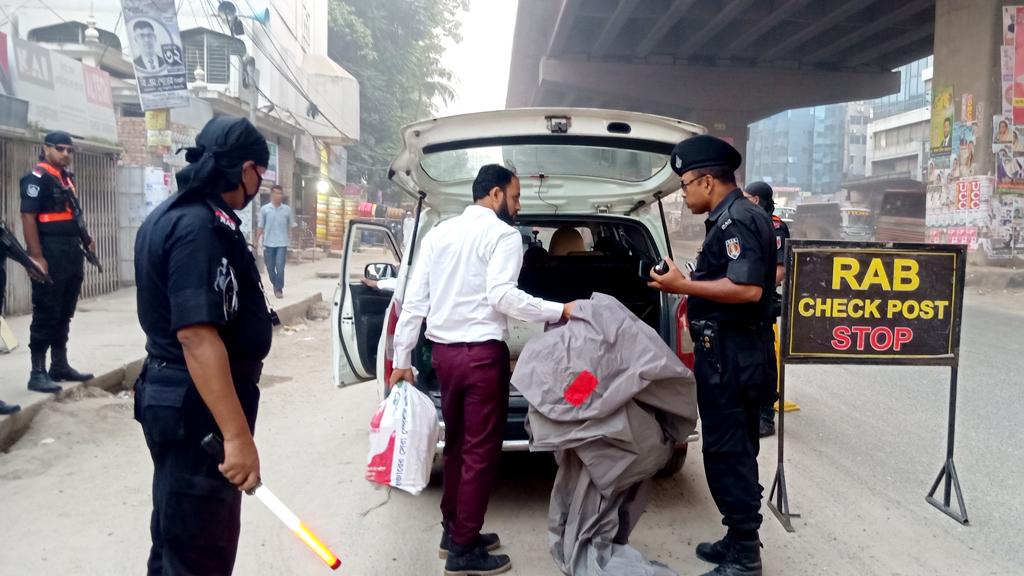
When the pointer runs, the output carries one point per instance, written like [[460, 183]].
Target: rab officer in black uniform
[[761, 193], [53, 239], [208, 329], [729, 301]]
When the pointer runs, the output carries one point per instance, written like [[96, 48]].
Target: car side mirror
[[380, 271]]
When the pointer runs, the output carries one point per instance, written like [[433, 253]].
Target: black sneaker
[[475, 561], [489, 542], [6, 408], [715, 552], [743, 559]]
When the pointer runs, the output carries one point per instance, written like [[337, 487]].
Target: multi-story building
[[779, 149], [858, 115], [805, 148], [264, 59], [817, 149], [899, 132], [828, 147]]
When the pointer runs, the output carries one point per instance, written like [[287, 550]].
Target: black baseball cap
[[58, 138]]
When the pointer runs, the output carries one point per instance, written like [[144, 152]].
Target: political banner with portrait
[[942, 120], [156, 53]]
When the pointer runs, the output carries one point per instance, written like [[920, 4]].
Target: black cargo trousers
[[53, 305], [195, 522], [730, 371]]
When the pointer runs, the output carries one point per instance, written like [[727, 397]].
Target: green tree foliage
[[394, 48]]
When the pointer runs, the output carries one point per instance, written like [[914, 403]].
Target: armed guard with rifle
[[11, 248], [56, 238]]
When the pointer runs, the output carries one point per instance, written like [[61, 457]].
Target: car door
[[358, 311]]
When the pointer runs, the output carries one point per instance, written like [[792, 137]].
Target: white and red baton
[[215, 447]]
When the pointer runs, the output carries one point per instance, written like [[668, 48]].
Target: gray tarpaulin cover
[[610, 399]]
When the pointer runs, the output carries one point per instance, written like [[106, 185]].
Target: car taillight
[[389, 343], [684, 346]]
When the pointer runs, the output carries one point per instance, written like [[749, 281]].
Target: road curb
[[13, 427]]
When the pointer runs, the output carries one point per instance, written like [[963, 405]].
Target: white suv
[[600, 173]]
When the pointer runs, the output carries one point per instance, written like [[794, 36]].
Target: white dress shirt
[[464, 285]]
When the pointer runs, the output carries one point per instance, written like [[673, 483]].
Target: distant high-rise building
[[817, 149], [779, 149], [858, 115], [899, 133]]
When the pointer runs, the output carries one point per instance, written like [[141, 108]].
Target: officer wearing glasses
[[53, 239], [730, 302]]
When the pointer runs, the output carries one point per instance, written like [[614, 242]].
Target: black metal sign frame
[[778, 498]]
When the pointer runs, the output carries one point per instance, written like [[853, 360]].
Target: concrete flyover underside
[[721, 63]]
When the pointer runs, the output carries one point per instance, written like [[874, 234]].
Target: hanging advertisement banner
[[157, 53], [272, 165]]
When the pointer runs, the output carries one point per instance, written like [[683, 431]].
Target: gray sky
[[481, 61]]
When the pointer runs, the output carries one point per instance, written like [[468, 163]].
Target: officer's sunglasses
[[62, 149]]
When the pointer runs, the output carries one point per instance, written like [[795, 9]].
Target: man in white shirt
[[464, 286]]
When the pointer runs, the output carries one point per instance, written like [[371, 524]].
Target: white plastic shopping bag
[[403, 439]]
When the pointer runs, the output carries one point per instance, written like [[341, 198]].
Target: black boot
[[715, 552], [61, 370], [489, 542], [39, 380], [766, 427], [475, 561], [6, 408], [743, 559]]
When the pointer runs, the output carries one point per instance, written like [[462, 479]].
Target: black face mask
[[245, 191]]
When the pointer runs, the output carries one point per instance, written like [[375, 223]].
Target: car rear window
[[551, 160]]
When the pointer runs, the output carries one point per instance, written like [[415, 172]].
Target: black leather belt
[[247, 370]]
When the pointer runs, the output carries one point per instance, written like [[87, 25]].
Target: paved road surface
[[861, 455]]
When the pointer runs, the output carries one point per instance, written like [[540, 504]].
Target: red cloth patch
[[581, 388]]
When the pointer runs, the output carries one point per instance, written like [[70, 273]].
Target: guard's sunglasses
[[62, 148]]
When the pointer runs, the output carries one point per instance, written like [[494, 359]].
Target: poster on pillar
[[1002, 135], [963, 163], [156, 53], [942, 121], [1009, 18], [1006, 68], [1018, 67]]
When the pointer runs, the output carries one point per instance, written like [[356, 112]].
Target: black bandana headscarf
[[215, 162]]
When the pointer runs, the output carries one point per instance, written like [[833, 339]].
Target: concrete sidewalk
[[106, 337]]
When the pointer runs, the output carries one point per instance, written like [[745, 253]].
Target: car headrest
[[565, 241]]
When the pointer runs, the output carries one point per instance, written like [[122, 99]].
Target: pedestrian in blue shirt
[[275, 224]]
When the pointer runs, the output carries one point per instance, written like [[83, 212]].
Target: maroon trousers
[[474, 402]]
